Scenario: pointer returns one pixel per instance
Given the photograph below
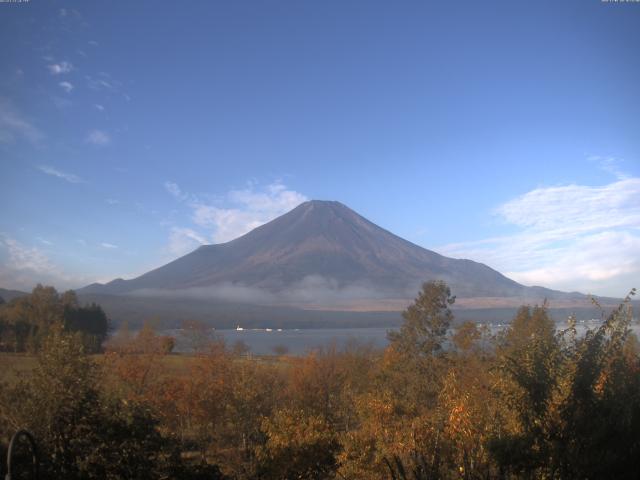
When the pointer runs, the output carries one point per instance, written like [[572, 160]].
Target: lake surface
[[301, 341], [296, 341]]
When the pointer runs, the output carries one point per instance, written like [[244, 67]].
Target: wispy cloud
[[570, 237], [109, 246], [99, 107], [72, 14], [66, 86], [24, 266], [184, 240], [175, 191], [14, 125], [611, 165], [99, 84], [27, 258], [251, 207], [575, 209], [103, 82], [60, 68], [69, 177], [99, 138], [229, 217]]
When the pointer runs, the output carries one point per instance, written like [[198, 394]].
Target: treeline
[[26, 321], [530, 402]]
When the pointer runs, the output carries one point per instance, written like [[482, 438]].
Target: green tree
[[531, 364], [90, 321], [413, 366], [599, 419], [425, 321], [573, 402], [27, 320]]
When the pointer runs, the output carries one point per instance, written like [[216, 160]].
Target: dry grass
[[15, 365]]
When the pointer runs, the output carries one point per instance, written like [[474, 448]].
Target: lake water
[[296, 341], [300, 341]]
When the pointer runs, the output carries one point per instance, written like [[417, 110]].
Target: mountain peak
[[322, 205], [325, 242]]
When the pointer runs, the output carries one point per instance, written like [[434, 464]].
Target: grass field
[[14, 365]]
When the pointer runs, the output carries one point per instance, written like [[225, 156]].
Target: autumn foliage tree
[[441, 401], [83, 434], [573, 401]]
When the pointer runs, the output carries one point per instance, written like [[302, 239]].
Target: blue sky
[[506, 132]]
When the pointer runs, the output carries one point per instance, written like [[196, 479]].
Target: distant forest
[[528, 402], [27, 320]]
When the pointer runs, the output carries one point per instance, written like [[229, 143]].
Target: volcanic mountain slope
[[319, 247]]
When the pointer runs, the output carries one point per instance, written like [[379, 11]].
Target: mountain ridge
[[327, 246], [8, 294]]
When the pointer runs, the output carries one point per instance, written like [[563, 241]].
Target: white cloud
[[103, 82], [69, 177], [25, 258], [252, 208], [112, 201], [23, 267], [99, 107], [184, 240], [575, 209], [110, 246], [571, 237], [66, 86], [14, 125], [175, 191], [99, 84], [610, 165], [238, 212], [99, 138], [60, 68], [228, 223], [595, 257]]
